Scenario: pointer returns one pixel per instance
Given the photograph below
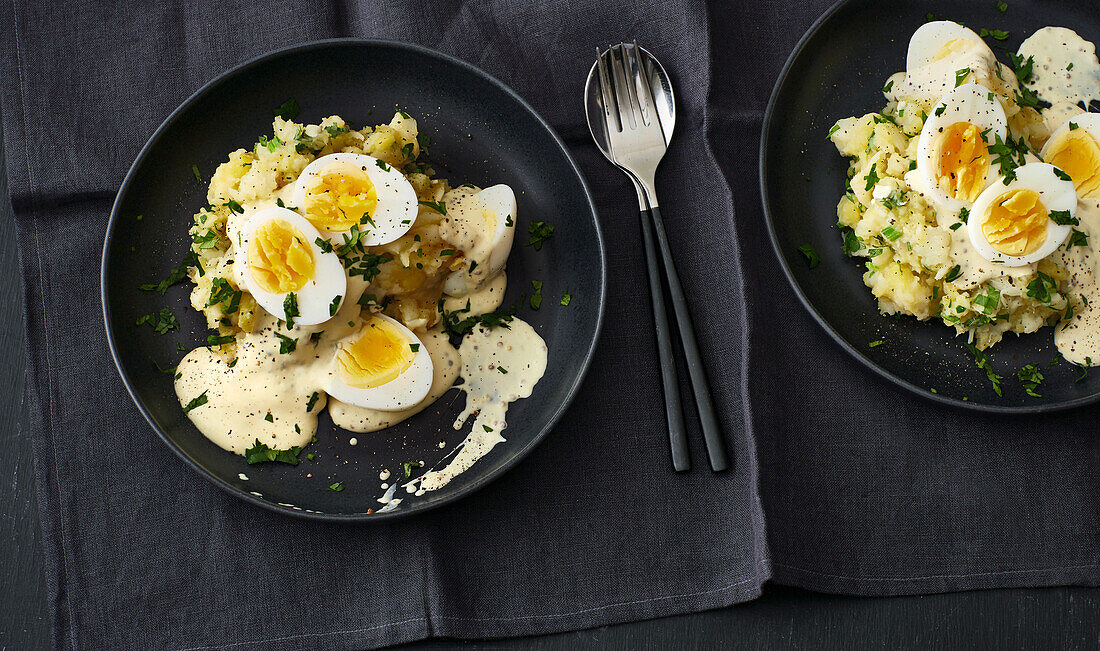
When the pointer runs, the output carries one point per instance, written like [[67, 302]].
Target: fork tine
[[607, 102], [625, 100], [648, 107]]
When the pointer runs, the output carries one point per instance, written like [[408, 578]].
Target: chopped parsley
[[382, 164], [456, 327], [289, 109], [1000, 6], [323, 244], [290, 307], [811, 255], [852, 243], [414, 347], [410, 466], [336, 487], [891, 233], [988, 301], [954, 273], [538, 233], [161, 322], [336, 129], [312, 401], [223, 293], [536, 296], [1040, 288], [1077, 238], [964, 214], [195, 171], [1062, 217], [1084, 370], [234, 206], [334, 306], [176, 276], [983, 363], [270, 145], [260, 453], [836, 127], [286, 344], [565, 299], [961, 75], [424, 141], [886, 89], [195, 403], [487, 428], [872, 178], [437, 206], [874, 343], [269, 418], [1060, 173], [996, 34], [218, 340], [446, 252], [1032, 377]]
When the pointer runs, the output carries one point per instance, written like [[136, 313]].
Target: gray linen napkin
[[593, 528]]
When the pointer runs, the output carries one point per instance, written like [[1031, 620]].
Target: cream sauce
[[1065, 71], [1078, 338], [499, 366]]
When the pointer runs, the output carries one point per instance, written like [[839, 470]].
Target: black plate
[[836, 71], [482, 133]]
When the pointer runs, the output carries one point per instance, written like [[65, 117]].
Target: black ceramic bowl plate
[[481, 132], [836, 71]]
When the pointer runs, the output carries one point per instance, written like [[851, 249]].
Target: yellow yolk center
[[1077, 154], [340, 197], [279, 257], [1016, 223], [963, 161], [378, 355]]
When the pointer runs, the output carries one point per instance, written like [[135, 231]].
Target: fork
[[636, 142]]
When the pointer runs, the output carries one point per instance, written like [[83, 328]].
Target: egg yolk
[[279, 257], [1016, 223], [378, 355], [340, 197], [1077, 154], [963, 161]]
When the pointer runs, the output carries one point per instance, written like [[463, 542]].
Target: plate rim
[[481, 482], [765, 133]]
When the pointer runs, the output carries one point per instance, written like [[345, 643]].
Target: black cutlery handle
[[677, 431], [708, 419]]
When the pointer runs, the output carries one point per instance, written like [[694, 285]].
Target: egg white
[[315, 298], [402, 392], [967, 103], [927, 42], [397, 201], [499, 200], [1056, 194]]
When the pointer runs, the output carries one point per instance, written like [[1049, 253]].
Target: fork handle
[[674, 411], [708, 419]]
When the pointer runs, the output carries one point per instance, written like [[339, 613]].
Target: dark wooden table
[[1055, 618]]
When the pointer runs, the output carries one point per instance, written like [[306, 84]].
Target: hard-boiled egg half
[[940, 40], [1025, 220], [284, 269], [1074, 148], [953, 150], [492, 216], [339, 191], [382, 366]]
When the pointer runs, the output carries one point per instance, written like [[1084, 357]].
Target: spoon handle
[[677, 431], [708, 419]]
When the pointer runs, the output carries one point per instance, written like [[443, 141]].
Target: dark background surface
[[783, 618]]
